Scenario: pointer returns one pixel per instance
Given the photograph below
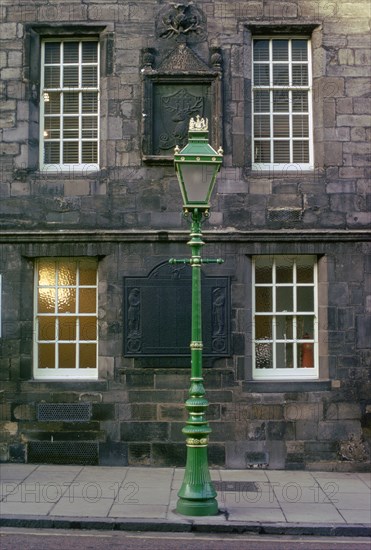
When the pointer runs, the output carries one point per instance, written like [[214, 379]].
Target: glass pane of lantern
[[197, 180]]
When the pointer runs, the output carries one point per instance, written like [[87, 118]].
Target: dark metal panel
[[157, 312]]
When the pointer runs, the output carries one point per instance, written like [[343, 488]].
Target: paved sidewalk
[[130, 498]]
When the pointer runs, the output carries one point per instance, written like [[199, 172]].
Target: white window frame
[[294, 373], [85, 168], [60, 373], [283, 167]]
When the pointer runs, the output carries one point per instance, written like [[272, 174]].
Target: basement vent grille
[[284, 215], [62, 452], [67, 412]]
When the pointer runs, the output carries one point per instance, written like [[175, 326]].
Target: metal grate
[[69, 412], [235, 486], [284, 215], [62, 452]]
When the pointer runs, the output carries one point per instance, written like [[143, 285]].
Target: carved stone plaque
[[158, 313]]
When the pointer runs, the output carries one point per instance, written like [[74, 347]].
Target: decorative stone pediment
[[183, 59]]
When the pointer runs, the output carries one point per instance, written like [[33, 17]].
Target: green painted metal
[[197, 495]]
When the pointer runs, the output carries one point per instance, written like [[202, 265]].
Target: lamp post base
[[207, 507], [197, 493]]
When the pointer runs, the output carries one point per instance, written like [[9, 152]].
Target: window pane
[[261, 75], [300, 150], [263, 327], [263, 270], [47, 272], [300, 75], [52, 52], [306, 355], [87, 300], [88, 328], [70, 152], [71, 102], [262, 126], [71, 127], [263, 299], [262, 151], [284, 356], [300, 101], [89, 52], [304, 270], [280, 50], [299, 50], [89, 102], [284, 270], [67, 356], [51, 153], [280, 101], [89, 76], [261, 50], [89, 152], [284, 327], [281, 126], [46, 356], [305, 299], [263, 356], [305, 326], [300, 126], [51, 128], [66, 300], [52, 104], [46, 328], [67, 273], [67, 328], [261, 101], [88, 356], [280, 75], [281, 151], [71, 52], [89, 127], [52, 77], [70, 77], [88, 272], [46, 300], [284, 299]]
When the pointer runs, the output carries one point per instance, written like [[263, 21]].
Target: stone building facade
[[95, 94]]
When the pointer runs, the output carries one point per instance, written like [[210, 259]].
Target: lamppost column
[[197, 493]]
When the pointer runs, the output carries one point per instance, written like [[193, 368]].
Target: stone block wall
[[129, 216]]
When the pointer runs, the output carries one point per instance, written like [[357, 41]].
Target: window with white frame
[[281, 104], [285, 326], [66, 318], [69, 128]]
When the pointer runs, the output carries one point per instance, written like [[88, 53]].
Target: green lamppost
[[197, 165]]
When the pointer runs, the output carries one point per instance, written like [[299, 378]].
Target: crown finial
[[198, 125]]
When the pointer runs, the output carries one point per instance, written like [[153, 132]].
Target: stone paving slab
[[265, 501]]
